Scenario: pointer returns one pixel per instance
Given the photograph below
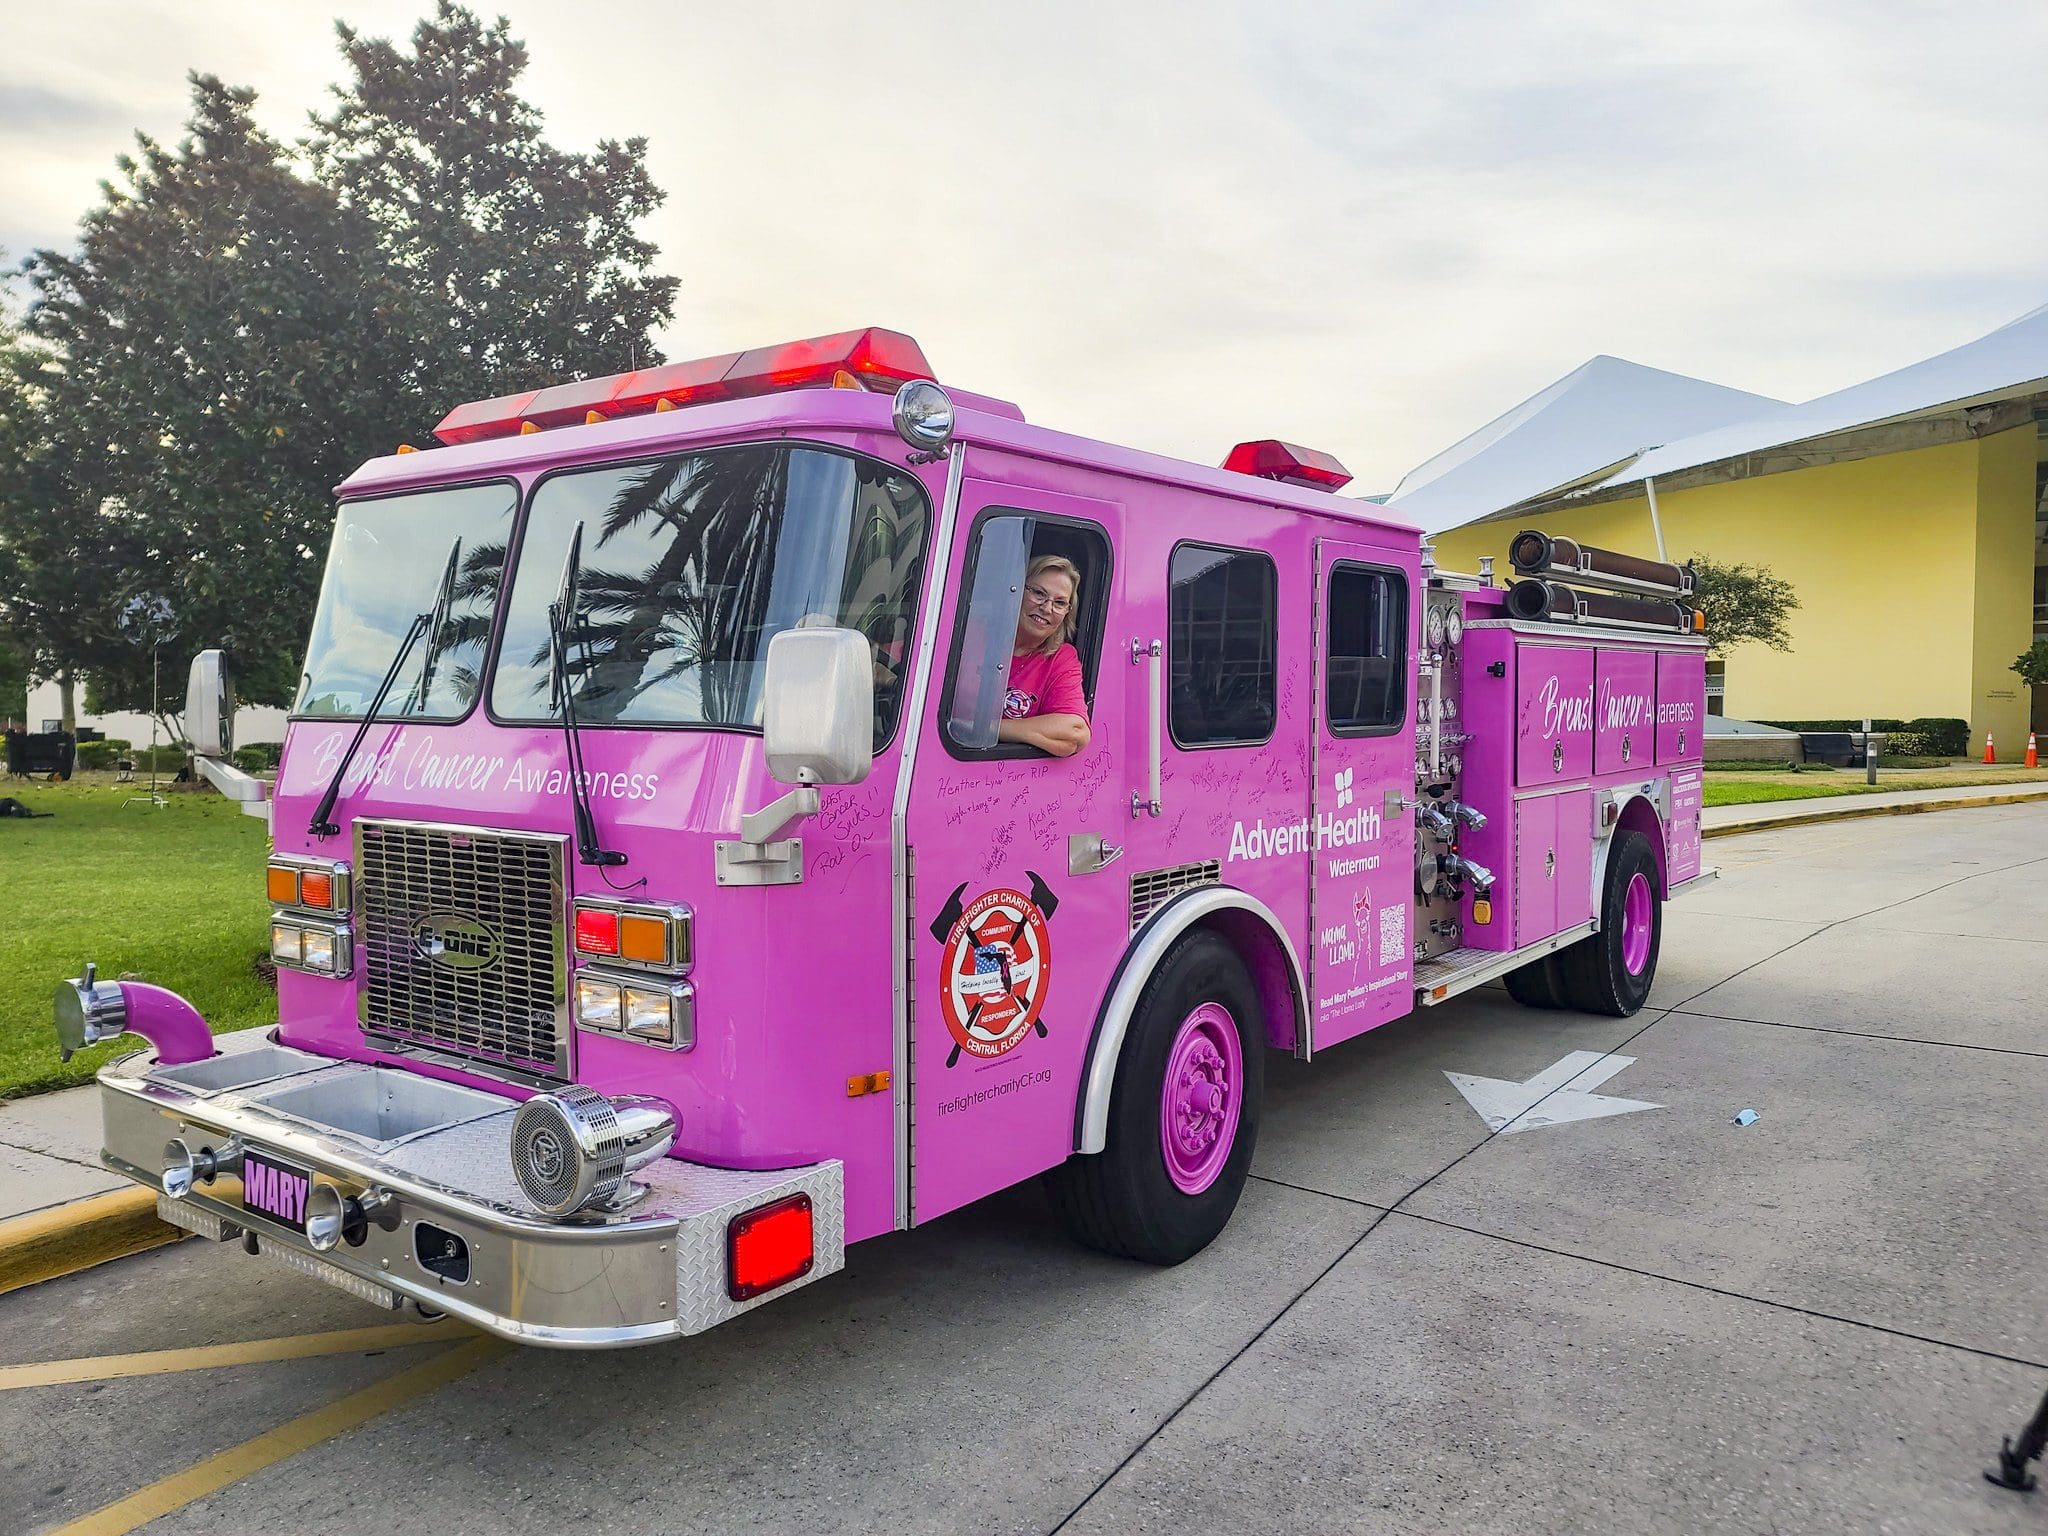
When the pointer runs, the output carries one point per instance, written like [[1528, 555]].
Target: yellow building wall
[[1913, 573]]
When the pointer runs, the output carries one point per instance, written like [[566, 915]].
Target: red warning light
[[873, 359], [1271, 459]]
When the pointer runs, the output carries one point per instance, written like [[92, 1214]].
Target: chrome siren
[[572, 1149]]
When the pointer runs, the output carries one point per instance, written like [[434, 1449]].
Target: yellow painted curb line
[[45, 1244], [288, 1439], [1852, 811], [210, 1357]]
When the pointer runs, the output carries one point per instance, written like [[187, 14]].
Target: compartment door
[[1362, 856], [1553, 714], [1535, 868], [1625, 711], [1013, 935], [1681, 705]]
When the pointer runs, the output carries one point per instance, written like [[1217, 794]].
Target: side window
[[988, 632], [1366, 650], [1222, 633]]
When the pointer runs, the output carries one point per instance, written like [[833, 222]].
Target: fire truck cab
[[661, 904]]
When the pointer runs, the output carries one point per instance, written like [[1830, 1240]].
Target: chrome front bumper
[[656, 1270]]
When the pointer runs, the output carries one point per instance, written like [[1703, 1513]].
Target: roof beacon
[[1271, 459], [872, 359]]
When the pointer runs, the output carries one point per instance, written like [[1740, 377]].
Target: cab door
[[1017, 907], [1362, 867]]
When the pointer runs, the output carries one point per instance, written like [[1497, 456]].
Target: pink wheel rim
[[1199, 1100], [1638, 922]]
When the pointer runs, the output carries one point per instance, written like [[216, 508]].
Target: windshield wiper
[[435, 621], [562, 618], [422, 623]]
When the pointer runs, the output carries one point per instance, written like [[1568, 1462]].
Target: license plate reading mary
[[276, 1189]]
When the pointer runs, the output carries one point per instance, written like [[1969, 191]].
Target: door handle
[[1150, 655], [1089, 851]]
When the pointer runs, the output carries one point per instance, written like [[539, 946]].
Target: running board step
[[1460, 970]]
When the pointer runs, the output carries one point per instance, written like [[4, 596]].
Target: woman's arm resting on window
[[1061, 735]]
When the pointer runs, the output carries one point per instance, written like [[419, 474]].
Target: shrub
[[1944, 737], [258, 756], [97, 754]]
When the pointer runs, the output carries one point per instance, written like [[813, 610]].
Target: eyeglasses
[[1040, 598]]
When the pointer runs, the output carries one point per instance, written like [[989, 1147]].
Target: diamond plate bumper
[[654, 1271]]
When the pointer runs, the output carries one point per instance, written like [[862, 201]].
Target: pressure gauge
[[1450, 709], [1433, 628], [1422, 711], [1454, 627]]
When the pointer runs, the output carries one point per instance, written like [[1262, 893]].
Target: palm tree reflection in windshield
[[739, 543]]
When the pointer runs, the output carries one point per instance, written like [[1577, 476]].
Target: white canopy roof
[[2011, 360], [1601, 414], [1611, 424]]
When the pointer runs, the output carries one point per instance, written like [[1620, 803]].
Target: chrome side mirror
[[210, 706], [818, 715]]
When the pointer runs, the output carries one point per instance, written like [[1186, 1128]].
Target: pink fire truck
[[659, 905]]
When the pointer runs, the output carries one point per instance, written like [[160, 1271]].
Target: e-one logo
[[454, 940]]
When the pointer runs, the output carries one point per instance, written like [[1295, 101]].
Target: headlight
[[662, 1015], [572, 1149], [597, 1002], [318, 949]]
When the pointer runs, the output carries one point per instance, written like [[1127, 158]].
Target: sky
[[1367, 228]]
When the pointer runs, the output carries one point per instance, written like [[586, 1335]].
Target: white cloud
[[1367, 227]]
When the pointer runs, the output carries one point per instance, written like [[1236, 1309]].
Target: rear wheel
[[1183, 1115], [1539, 984], [1612, 971]]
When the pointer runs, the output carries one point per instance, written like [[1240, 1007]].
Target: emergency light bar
[[867, 359], [1271, 459]]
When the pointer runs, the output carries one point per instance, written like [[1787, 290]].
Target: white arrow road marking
[[1565, 1089]]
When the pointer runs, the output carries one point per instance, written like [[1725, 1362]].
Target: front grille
[[464, 942], [1152, 889]]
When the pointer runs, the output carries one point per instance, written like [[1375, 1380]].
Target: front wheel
[[1183, 1115], [1611, 971]]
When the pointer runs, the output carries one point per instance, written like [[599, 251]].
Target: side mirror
[[210, 706], [818, 715]]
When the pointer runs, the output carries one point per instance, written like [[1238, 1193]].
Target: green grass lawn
[[1751, 786], [172, 896]]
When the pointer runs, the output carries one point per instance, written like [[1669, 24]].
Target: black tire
[[1596, 979], [1539, 984], [1122, 1200]]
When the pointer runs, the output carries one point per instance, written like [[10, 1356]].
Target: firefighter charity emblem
[[996, 965]]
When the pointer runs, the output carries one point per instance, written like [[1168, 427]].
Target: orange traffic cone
[[1990, 752], [2033, 752]]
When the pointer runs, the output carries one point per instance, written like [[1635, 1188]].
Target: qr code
[[1393, 934]]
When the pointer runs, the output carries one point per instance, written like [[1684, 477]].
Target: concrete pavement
[[1656, 1322]]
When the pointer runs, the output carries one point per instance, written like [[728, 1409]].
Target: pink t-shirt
[[1045, 685]]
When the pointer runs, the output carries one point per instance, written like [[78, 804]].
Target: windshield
[[384, 570], [690, 565]]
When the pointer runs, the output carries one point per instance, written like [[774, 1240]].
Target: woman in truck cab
[[1046, 706]]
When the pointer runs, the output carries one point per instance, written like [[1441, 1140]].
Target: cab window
[[1004, 543], [1222, 640], [1365, 654]]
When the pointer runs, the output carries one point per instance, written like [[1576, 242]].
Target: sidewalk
[[1721, 820], [50, 1151]]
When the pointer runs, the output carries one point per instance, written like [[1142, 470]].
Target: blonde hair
[[1070, 624]]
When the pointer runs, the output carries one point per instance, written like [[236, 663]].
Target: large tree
[[244, 321], [56, 565], [522, 261], [221, 352]]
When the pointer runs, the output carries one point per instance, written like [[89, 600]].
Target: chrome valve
[[1432, 820], [1464, 814], [1476, 875], [88, 1011]]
